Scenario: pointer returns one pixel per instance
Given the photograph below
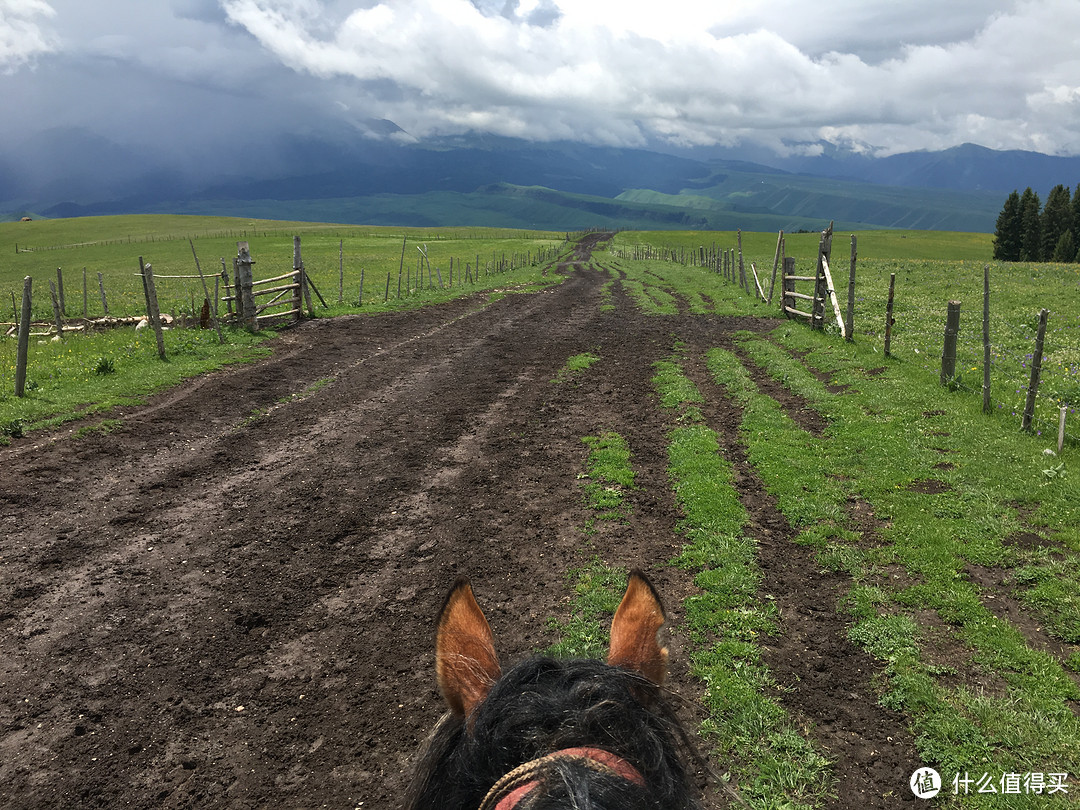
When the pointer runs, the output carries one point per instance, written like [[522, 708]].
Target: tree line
[[1028, 231]]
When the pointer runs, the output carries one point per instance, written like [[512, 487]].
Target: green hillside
[[863, 205]]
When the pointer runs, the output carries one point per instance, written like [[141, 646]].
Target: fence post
[[787, 285], [206, 293], [101, 287], [948, 353], [849, 322], [817, 311], [57, 311], [889, 315], [1036, 371], [742, 267], [775, 265], [60, 287], [341, 271], [1061, 427], [987, 407], [225, 280], [152, 311], [245, 301], [24, 339], [85, 307]]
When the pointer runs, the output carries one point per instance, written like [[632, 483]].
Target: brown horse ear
[[465, 662], [634, 643]]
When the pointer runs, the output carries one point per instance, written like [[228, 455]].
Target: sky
[[182, 78]]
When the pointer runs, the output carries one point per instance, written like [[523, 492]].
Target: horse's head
[[549, 733]]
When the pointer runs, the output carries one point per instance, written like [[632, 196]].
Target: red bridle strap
[[514, 786]]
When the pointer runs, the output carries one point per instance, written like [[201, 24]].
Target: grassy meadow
[[932, 269], [88, 373]]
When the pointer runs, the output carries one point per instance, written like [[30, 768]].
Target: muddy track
[[227, 602]]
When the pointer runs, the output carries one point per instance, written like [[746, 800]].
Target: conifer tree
[[1031, 222], [1009, 233], [1065, 250], [1056, 220], [1076, 216]]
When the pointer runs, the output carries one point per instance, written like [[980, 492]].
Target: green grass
[[92, 372], [574, 365], [878, 445], [608, 475], [776, 766], [65, 379], [113, 245], [596, 587], [932, 268], [596, 590]]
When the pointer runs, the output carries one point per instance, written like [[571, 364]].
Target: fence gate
[[286, 290], [824, 290]]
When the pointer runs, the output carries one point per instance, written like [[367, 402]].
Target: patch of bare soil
[[228, 601]]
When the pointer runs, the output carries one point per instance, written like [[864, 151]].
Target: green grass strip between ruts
[[773, 764]]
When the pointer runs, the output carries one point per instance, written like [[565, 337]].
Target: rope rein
[[514, 786]]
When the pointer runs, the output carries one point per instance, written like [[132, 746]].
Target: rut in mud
[[228, 601]]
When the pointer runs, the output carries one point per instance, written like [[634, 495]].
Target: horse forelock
[[542, 706]]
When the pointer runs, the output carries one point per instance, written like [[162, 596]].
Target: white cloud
[[893, 75], [22, 36], [880, 76]]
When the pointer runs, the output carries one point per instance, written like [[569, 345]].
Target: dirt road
[[228, 601]]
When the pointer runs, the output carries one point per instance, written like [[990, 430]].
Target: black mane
[[545, 705]]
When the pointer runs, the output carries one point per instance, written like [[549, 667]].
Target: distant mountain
[[343, 176], [963, 168]]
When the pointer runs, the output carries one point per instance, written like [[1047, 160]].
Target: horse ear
[[634, 629], [465, 661]]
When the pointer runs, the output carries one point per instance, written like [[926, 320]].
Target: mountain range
[[514, 183]]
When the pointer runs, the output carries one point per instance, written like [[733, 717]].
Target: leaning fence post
[[948, 353], [889, 315], [1061, 427], [152, 312], [987, 406], [1036, 371], [206, 292], [24, 339], [775, 264]]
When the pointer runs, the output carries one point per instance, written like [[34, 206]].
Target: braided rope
[[518, 782]]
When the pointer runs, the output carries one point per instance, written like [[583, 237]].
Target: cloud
[[776, 71], [22, 37]]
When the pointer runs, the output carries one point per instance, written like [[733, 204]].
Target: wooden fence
[[815, 305], [288, 291]]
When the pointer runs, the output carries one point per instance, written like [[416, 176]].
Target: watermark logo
[[926, 783]]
